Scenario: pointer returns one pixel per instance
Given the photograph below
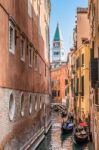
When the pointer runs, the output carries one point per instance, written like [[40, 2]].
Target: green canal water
[[55, 140]]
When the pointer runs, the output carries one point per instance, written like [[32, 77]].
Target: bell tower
[[58, 52]]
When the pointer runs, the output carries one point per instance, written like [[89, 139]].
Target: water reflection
[[55, 140]]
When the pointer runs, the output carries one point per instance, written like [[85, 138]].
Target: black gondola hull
[[67, 130], [80, 140]]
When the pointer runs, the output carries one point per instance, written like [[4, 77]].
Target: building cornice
[[49, 6]]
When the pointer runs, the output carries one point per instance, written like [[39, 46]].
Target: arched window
[[30, 104], [22, 105], [11, 107]]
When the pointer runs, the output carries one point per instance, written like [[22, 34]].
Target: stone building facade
[[24, 73]]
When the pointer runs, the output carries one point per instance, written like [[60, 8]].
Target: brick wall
[[12, 66], [17, 77]]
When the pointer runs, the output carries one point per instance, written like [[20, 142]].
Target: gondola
[[80, 135], [67, 127]]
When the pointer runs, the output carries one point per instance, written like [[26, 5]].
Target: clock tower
[[58, 56]]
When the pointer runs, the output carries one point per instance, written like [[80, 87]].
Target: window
[[97, 96], [82, 86], [39, 16], [68, 90], [30, 104], [30, 56], [11, 37], [11, 107], [92, 50], [77, 63], [77, 86], [45, 70], [40, 102], [58, 93], [98, 52], [40, 69], [22, 49], [65, 92], [52, 83], [16, 37], [22, 105], [30, 8], [56, 53], [47, 38], [72, 85], [56, 45], [66, 81], [54, 93], [35, 62], [84, 40], [82, 59], [36, 103]]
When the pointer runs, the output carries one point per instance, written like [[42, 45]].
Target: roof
[[60, 67], [58, 35], [82, 10]]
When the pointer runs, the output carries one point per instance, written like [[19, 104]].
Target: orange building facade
[[58, 83]]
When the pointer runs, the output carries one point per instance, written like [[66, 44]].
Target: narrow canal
[[55, 140]]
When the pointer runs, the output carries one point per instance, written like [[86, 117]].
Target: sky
[[64, 12]]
